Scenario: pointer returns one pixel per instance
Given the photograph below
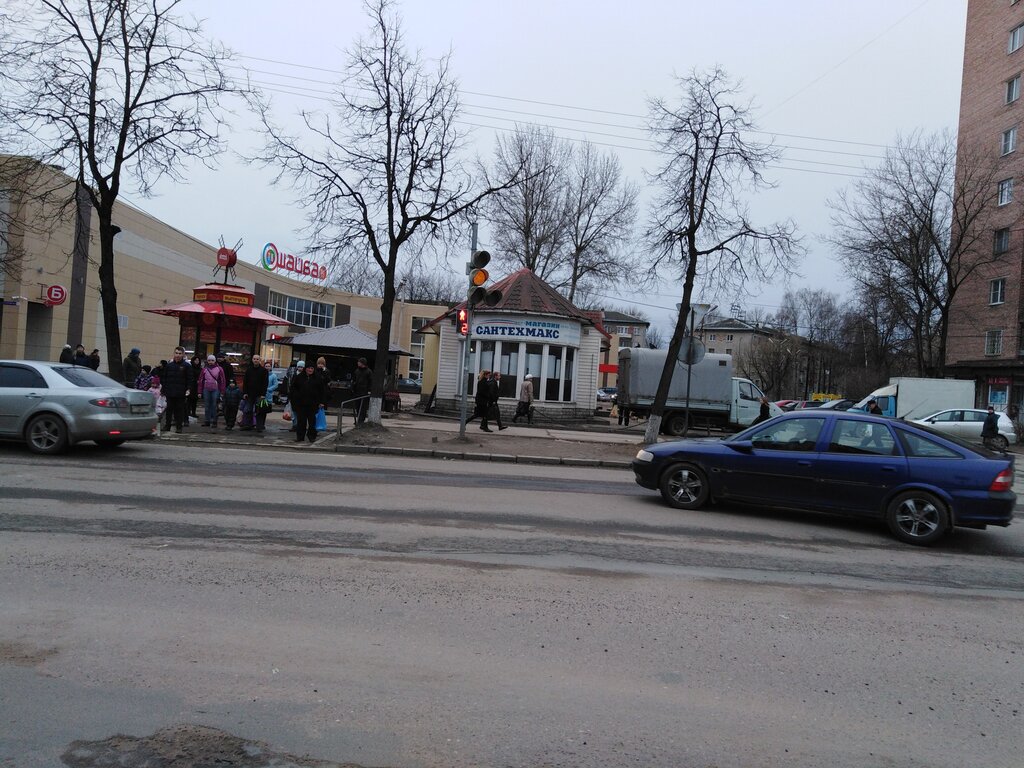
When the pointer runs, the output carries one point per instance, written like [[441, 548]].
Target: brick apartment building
[[985, 332]]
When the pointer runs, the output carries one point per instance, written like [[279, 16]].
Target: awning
[[219, 308]]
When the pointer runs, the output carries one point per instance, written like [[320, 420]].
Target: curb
[[425, 453]]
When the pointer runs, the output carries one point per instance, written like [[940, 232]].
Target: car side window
[[922, 448], [948, 416], [852, 436], [19, 377], [789, 435], [974, 416], [747, 391]]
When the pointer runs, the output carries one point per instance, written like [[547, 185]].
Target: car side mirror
[[741, 446]]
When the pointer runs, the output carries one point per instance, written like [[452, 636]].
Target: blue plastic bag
[[320, 425]]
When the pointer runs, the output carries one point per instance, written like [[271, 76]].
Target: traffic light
[[477, 277], [463, 322], [477, 274]]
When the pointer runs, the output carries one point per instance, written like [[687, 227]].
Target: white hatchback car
[[966, 424], [53, 405]]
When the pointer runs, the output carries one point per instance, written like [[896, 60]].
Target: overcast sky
[[835, 83]]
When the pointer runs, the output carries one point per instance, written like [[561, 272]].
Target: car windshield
[[85, 377]]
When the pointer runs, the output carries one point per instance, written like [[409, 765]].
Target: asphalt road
[[397, 612]]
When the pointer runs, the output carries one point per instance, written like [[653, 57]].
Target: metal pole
[[466, 344]]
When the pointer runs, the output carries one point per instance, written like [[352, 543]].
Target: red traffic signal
[[462, 322]]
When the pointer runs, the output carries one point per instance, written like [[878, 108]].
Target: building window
[[728, 337], [993, 342], [711, 337], [305, 312], [728, 350], [417, 346], [1001, 241], [1009, 141], [1012, 89], [711, 350], [997, 291], [1005, 192], [1016, 38]]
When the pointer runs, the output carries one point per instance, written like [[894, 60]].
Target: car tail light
[[110, 402], [1003, 481]]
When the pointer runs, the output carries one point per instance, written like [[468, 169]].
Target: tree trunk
[[387, 305], [674, 345], [108, 295]]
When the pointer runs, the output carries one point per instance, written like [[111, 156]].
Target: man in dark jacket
[[307, 396], [132, 367], [254, 389], [225, 364], [175, 380], [360, 388], [80, 357], [494, 395]]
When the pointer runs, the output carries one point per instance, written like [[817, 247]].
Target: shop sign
[[56, 295], [998, 380], [550, 330], [274, 260]]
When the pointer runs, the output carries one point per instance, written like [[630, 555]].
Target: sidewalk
[[414, 434]]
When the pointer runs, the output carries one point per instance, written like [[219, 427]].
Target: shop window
[[509, 369], [570, 358], [552, 373], [534, 356]]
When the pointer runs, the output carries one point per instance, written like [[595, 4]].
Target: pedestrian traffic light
[[463, 322], [477, 277]]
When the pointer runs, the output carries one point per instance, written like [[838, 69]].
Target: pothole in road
[[184, 746]]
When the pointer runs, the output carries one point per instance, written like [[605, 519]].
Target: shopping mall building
[[51, 297]]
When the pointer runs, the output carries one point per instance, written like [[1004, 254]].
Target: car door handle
[[803, 463], [888, 469], [34, 396]]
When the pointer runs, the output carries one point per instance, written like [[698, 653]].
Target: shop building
[[532, 330], [50, 290]]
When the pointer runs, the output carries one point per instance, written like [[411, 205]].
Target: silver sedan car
[[966, 423], [51, 406]]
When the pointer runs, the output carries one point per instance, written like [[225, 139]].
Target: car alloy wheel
[[684, 486], [916, 517], [47, 434]]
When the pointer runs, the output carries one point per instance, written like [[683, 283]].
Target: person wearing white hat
[[212, 384], [525, 406]]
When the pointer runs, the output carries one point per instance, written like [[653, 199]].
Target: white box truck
[[716, 396], [909, 398]]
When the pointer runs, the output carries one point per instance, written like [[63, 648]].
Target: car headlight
[[643, 455]]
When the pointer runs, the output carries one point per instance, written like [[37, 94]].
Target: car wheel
[[1001, 443], [47, 434], [684, 486], [112, 442], [917, 517], [675, 424]]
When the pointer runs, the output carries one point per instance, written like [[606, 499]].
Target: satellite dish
[[692, 351]]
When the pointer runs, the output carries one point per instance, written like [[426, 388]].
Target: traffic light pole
[[466, 344]]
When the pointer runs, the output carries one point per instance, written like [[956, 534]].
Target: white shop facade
[[532, 330]]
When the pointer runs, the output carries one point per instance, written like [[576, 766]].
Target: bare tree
[[431, 286], [600, 209], [770, 361], [699, 221], [385, 170], [570, 220], [915, 229], [113, 90], [529, 219], [654, 337]]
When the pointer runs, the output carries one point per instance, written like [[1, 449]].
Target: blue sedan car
[[921, 482]]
